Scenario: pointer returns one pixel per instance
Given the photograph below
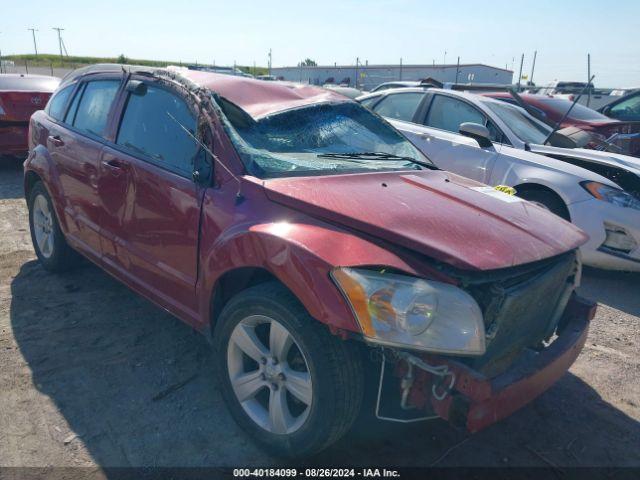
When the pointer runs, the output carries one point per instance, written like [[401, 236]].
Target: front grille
[[521, 307]]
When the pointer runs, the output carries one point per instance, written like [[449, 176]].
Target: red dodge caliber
[[312, 243]]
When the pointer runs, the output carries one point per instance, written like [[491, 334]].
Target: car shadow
[[10, 178], [136, 386], [619, 290]]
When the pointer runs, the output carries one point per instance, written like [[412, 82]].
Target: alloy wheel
[[269, 374], [43, 226]]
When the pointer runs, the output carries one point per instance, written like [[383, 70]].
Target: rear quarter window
[[57, 103]]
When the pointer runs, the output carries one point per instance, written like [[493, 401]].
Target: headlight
[[409, 312], [611, 195]]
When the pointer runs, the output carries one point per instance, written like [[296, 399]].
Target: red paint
[[20, 97], [492, 399], [259, 98], [434, 214], [172, 240]]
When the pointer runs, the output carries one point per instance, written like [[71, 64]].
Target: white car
[[494, 142]]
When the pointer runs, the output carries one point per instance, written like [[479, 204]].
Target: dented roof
[[259, 98]]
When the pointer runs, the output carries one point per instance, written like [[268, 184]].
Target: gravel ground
[[91, 374]]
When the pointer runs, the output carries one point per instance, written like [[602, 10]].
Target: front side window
[[628, 109], [55, 107], [147, 128], [318, 139], [92, 106], [448, 114], [525, 127], [401, 106]]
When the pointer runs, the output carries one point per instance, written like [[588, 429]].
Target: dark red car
[[625, 135], [20, 96], [312, 244]]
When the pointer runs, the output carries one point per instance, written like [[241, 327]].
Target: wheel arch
[[30, 179], [231, 283], [538, 187]]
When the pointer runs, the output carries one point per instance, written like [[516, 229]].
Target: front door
[[151, 206], [447, 148]]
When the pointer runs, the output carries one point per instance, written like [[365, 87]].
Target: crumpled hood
[[434, 213]]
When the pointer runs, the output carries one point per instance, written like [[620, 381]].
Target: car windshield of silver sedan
[[521, 124], [321, 139]]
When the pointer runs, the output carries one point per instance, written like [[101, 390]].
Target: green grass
[[55, 61]]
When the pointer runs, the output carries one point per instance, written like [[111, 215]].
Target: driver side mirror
[[478, 132]]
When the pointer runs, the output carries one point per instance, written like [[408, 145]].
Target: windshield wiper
[[369, 156]]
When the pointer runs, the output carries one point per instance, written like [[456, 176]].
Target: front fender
[[301, 256], [566, 186]]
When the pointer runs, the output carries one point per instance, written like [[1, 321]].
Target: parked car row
[[323, 254], [616, 124], [495, 142]]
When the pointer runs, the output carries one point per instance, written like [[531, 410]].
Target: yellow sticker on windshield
[[505, 189]]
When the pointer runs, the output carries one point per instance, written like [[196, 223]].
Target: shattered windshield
[[520, 123], [320, 139]]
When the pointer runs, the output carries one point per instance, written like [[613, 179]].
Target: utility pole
[[58, 29], [457, 69], [588, 78], [400, 68], [444, 61], [357, 62], [35, 45], [270, 61], [520, 74], [533, 67]]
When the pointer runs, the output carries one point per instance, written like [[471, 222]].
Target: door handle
[[115, 167], [56, 140]]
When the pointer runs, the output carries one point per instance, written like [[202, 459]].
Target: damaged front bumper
[[475, 401]]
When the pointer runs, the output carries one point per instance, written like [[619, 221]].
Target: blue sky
[[328, 31]]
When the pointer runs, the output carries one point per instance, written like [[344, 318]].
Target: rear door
[[446, 147], [151, 205], [75, 145]]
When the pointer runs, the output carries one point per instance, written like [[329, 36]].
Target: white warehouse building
[[369, 76]]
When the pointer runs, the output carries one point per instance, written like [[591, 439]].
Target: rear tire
[[547, 200], [318, 412], [49, 243]]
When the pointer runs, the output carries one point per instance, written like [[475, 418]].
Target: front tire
[[289, 383], [49, 243]]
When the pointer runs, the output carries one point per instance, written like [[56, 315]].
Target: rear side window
[[55, 107], [147, 128], [448, 114], [368, 102], [90, 108], [401, 106], [628, 109]]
